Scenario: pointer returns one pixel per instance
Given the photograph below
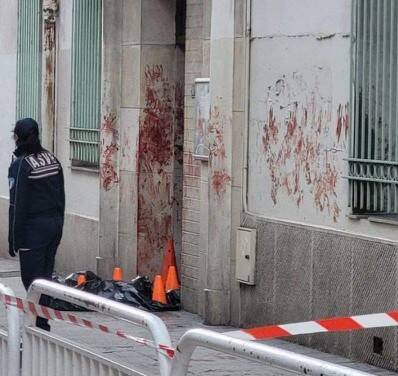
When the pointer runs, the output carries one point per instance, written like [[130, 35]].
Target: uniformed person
[[37, 205]]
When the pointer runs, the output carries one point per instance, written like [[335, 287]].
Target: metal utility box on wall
[[245, 255]]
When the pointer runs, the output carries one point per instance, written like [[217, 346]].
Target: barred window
[[373, 162], [86, 83], [29, 59]]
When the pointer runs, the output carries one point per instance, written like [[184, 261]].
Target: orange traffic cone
[[117, 274], [158, 294], [172, 280], [81, 280], [169, 259]]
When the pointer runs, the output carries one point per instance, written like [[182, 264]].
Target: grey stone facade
[[306, 273], [313, 261]]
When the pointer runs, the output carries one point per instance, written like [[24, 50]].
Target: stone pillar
[[129, 129], [110, 137], [156, 152], [217, 292], [139, 134], [50, 10]]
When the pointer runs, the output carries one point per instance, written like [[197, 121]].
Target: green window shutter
[[86, 83], [29, 59]]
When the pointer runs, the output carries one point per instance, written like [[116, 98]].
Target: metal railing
[[86, 81], [47, 354], [29, 59], [3, 353], [272, 356], [10, 340], [373, 172], [148, 321]]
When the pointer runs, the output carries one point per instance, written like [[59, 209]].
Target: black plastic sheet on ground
[[136, 293]]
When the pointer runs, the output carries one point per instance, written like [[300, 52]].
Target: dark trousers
[[38, 262]]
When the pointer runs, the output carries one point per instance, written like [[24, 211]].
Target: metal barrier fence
[[272, 356], [3, 353], [46, 354], [10, 340], [148, 321]]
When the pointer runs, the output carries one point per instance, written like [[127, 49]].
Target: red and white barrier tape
[[337, 324], [55, 315]]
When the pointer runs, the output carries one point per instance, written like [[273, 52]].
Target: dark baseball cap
[[26, 128]]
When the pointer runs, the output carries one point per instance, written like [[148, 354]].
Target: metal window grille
[[86, 82], [29, 59], [373, 162]]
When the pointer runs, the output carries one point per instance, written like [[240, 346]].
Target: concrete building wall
[[220, 132], [82, 191], [8, 66], [300, 88], [81, 187], [313, 260], [195, 183], [299, 84], [132, 216], [237, 147], [141, 138]]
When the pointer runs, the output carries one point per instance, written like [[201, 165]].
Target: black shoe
[[43, 324]]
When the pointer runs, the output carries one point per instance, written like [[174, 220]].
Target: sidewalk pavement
[[145, 360]]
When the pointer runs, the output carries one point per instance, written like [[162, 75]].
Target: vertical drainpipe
[[50, 12]]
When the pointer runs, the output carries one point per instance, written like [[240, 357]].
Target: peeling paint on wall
[[202, 117], [342, 121], [50, 8], [300, 144], [49, 36], [49, 74], [155, 180]]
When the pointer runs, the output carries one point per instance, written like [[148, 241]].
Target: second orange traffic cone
[[81, 280], [158, 293], [117, 274], [169, 259], [172, 280]]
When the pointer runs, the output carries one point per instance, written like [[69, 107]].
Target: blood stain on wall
[[109, 149], [108, 124], [217, 155], [298, 145], [216, 135], [108, 173], [155, 179], [219, 182]]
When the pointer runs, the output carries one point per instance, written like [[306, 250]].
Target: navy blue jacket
[[36, 185]]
